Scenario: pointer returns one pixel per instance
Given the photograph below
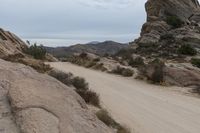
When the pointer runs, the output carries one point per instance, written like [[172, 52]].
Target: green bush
[[136, 62], [174, 21], [195, 62], [187, 49], [104, 116], [65, 78], [38, 52]]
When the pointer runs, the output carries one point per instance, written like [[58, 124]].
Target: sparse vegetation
[[81, 86], [187, 49], [153, 71], [174, 21], [138, 61], [65, 78], [38, 52], [158, 74], [126, 54], [126, 72], [104, 116], [195, 62]]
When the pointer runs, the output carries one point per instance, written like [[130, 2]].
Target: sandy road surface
[[144, 108]]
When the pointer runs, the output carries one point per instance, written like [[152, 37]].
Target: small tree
[[38, 52]]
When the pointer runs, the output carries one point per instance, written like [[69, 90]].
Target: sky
[[67, 22]]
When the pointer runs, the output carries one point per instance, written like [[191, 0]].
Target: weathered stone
[[41, 104]]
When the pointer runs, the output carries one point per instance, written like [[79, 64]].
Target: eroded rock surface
[[10, 44], [188, 11], [36, 103]]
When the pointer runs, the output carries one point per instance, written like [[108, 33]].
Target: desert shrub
[[136, 62], [123, 129], [126, 54], [90, 97], [122, 71], [96, 59], [38, 52], [81, 86], [80, 83], [90, 64], [187, 49], [158, 74], [127, 73], [65, 78], [100, 67], [174, 21], [105, 117], [83, 55], [195, 62]]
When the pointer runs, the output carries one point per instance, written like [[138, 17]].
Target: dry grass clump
[[105, 117]]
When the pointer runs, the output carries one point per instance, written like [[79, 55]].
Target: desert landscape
[[150, 84]]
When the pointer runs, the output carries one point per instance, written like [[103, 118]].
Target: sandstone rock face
[[10, 44], [41, 104], [181, 8], [188, 11]]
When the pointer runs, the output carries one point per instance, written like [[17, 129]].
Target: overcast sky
[[63, 22]]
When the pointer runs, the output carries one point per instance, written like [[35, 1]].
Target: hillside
[[102, 48]]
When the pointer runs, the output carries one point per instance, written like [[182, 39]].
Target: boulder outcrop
[[186, 12], [10, 44], [36, 103]]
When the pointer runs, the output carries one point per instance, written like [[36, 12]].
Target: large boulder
[[37, 103], [158, 11]]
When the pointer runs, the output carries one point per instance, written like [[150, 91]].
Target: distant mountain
[[98, 48]]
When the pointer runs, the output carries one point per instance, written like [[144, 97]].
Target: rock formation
[[170, 25], [10, 44], [36, 103], [158, 11]]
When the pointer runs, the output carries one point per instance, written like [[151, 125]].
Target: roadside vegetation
[[105, 117], [153, 72], [90, 97], [84, 60], [80, 85], [126, 72]]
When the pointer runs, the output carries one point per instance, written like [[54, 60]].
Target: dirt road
[[143, 107]]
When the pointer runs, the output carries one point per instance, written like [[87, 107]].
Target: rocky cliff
[[36, 103], [179, 19], [10, 44]]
